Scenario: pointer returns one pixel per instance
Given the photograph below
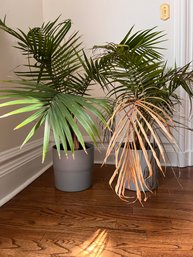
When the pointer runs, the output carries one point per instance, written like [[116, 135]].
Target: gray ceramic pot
[[73, 175]]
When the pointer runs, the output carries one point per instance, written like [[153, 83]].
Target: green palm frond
[[145, 43], [56, 54], [62, 113], [54, 87]]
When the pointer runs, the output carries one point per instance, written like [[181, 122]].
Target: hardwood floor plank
[[42, 221]]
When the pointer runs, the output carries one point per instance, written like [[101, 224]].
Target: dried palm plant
[[136, 132], [145, 92]]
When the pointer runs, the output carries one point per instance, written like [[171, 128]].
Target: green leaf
[[23, 110], [58, 133], [20, 101], [60, 127], [81, 116], [31, 118], [69, 118], [33, 130], [46, 137]]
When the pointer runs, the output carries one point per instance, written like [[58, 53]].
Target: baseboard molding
[[99, 155], [180, 159], [174, 158], [19, 167]]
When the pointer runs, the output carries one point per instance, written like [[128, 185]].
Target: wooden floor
[[42, 221]]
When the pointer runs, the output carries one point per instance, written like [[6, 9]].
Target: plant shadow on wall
[[54, 88], [56, 85], [146, 94]]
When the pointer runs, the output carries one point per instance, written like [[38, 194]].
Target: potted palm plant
[[54, 89], [146, 94]]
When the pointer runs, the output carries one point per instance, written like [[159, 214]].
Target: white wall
[[20, 14], [108, 20], [104, 21], [18, 167]]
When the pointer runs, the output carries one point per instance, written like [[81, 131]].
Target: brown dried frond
[[138, 122]]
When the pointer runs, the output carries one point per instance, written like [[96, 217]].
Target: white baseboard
[[99, 155], [19, 167], [180, 159], [175, 159]]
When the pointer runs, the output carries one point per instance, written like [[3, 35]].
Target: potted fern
[[54, 89], [146, 94]]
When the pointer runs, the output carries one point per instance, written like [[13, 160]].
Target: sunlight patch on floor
[[94, 246]]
